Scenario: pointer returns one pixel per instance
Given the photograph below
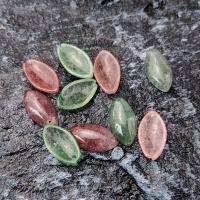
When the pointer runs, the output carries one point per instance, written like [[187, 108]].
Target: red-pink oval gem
[[152, 135], [39, 108], [94, 138], [41, 76], [107, 72]]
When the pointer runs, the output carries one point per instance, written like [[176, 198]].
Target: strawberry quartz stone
[[41, 76], [152, 135], [94, 138], [39, 108], [107, 72]]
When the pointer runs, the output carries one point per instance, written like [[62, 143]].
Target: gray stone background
[[128, 28]]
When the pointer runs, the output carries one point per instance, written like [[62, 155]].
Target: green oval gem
[[122, 121], [77, 94], [62, 145], [158, 71], [75, 61]]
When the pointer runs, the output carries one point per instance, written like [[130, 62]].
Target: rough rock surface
[[33, 29]]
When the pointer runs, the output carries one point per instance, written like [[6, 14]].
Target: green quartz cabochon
[[122, 121], [158, 70], [62, 145], [77, 94], [75, 61]]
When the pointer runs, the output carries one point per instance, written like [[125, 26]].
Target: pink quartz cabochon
[[94, 138], [39, 108], [152, 135], [107, 72], [41, 76]]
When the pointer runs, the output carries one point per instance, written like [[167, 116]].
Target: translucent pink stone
[[94, 138], [107, 72], [41, 76], [39, 108], [152, 135]]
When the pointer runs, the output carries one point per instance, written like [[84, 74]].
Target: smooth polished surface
[[122, 121], [77, 94], [39, 108], [152, 135], [41, 76], [75, 61], [94, 138], [107, 72], [158, 70], [62, 145]]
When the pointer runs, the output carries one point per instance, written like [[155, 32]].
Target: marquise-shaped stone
[[77, 94], [107, 72], [75, 61], [158, 71], [94, 138], [62, 145], [122, 121], [39, 108], [41, 76], [152, 135]]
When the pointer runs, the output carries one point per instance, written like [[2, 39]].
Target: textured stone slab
[[127, 29]]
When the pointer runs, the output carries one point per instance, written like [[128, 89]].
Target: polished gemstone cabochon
[[107, 72], [152, 135], [77, 94], [39, 108], [158, 70], [62, 145], [122, 121], [94, 138], [75, 61], [41, 76]]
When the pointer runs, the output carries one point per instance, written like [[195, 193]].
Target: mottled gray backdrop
[[128, 28]]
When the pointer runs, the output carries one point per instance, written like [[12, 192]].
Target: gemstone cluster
[[65, 145]]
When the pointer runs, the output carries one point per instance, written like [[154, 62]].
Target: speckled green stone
[[75, 61], [158, 71], [77, 94], [62, 145], [122, 121]]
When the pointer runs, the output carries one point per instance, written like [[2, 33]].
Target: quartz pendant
[[152, 135], [122, 121], [39, 108], [77, 94], [75, 61], [41, 76], [94, 138], [158, 71], [107, 72], [62, 145]]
